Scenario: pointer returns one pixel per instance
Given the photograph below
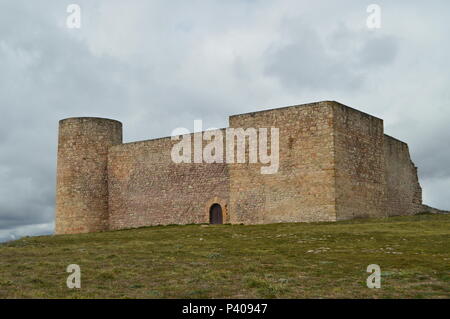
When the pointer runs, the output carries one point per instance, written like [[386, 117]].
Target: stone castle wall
[[303, 188], [335, 163], [359, 164], [147, 188], [403, 191]]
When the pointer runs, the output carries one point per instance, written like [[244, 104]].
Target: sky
[[159, 65]]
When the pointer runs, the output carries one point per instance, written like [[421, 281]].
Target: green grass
[[295, 260]]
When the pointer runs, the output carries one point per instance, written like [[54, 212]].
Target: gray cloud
[[340, 60], [157, 65]]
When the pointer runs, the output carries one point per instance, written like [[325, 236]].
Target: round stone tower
[[82, 180]]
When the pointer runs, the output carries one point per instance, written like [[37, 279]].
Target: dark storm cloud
[[158, 65]]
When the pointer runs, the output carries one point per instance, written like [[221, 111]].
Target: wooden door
[[215, 214]]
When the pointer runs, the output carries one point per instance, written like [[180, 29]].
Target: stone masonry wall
[[403, 191], [360, 169], [303, 189], [147, 188]]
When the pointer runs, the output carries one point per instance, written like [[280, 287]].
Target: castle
[[335, 163]]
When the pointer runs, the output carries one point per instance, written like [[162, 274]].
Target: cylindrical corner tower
[[82, 180]]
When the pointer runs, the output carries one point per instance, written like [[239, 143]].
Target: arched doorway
[[215, 214]]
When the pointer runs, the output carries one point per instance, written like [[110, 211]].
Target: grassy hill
[[319, 260]]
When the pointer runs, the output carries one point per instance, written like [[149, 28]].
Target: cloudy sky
[[158, 65]]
